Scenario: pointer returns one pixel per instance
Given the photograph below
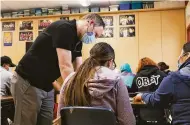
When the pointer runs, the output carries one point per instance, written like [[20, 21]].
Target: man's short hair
[[97, 19], [186, 47]]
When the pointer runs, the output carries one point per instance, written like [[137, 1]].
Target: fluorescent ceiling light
[[85, 3]]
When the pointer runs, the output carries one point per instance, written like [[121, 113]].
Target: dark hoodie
[[107, 90], [148, 78], [174, 91]]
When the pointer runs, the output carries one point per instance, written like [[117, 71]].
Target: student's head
[[6, 62], [90, 27], [125, 68], [162, 66], [76, 93], [145, 62], [185, 54], [103, 54]]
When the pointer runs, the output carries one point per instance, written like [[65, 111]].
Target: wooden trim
[[81, 14]]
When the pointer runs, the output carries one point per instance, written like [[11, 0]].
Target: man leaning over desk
[[50, 57]]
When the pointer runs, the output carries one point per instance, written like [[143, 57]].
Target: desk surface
[[6, 98], [137, 104]]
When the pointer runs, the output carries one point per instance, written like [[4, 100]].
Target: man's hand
[[56, 86], [65, 64], [138, 98]]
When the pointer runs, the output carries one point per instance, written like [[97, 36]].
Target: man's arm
[[65, 64], [77, 63]]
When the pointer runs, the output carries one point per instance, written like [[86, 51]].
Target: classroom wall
[[159, 35]]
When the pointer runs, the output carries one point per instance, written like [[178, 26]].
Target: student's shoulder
[[171, 78], [6, 74], [119, 82]]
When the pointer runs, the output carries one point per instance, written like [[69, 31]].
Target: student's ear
[[4, 65]]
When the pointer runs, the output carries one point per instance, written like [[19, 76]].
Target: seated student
[[148, 76], [127, 76], [6, 75], [100, 85], [147, 79], [6, 63], [163, 67], [174, 91]]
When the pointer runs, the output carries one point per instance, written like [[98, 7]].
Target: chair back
[[87, 116]]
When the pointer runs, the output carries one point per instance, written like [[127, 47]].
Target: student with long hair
[[148, 79], [95, 84], [148, 76]]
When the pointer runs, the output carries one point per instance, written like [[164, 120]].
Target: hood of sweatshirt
[[103, 81]]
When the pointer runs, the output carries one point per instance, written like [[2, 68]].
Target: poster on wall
[[127, 31], [127, 20], [7, 38], [108, 33], [26, 25], [42, 24], [64, 18], [8, 26], [26, 36], [108, 20]]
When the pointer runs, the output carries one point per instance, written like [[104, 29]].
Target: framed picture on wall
[[26, 36], [127, 20], [26, 25], [64, 18], [42, 24], [108, 33], [7, 38], [8, 26], [108, 20], [127, 31]]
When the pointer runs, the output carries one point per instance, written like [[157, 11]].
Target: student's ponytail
[[76, 92]]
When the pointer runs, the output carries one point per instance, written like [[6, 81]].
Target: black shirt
[[40, 64], [148, 79]]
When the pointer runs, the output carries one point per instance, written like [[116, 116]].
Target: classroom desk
[[136, 104], [7, 109], [136, 109]]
